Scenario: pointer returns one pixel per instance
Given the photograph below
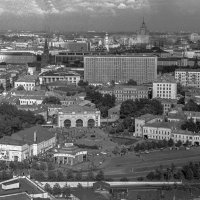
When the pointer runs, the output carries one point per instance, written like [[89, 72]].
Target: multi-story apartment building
[[53, 76], [188, 77], [103, 69], [125, 92], [28, 82], [165, 89]]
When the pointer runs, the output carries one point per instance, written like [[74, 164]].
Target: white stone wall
[[74, 117], [27, 85]]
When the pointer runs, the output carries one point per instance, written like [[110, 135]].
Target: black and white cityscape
[[99, 100]]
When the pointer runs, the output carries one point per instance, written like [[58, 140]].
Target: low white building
[[28, 82], [26, 143], [169, 130], [31, 100]]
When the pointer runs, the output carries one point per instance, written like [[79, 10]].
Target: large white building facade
[[53, 76], [79, 116], [165, 90], [26, 143], [103, 69]]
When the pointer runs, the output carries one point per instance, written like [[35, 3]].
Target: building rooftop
[[19, 196], [25, 184], [122, 56], [167, 125], [59, 73], [71, 149], [167, 101], [17, 53], [130, 87], [59, 83], [148, 117], [28, 93], [27, 135], [79, 109], [33, 97], [27, 78], [187, 70], [10, 141]]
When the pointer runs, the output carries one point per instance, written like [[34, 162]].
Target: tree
[[1, 88], [189, 174], [52, 176], [83, 83], [116, 150], [51, 100], [90, 176], [38, 175], [78, 176], [131, 82], [60, 176], [170, 142], [66, 191], [20, 88], [178, 144], [70, 175], [191, 106], [48, 188], [56, 189], [124, 179], [100, 176], [150, 176]]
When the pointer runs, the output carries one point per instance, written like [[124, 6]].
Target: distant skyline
[[99, 15]]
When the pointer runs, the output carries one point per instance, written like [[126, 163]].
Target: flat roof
[[78, 109], [167, 125], [25, 185], [19, 196], [59, 73], [148, 117], [121, 56]]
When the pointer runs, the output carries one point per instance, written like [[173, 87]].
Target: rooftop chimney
[[35, 137]]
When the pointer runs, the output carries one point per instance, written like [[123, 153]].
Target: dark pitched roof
[[28, 134]]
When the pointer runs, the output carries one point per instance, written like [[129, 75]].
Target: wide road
[[131, 166]]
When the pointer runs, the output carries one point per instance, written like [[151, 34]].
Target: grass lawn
[[133, 166]]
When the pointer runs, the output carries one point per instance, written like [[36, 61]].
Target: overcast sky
[[100, 15]]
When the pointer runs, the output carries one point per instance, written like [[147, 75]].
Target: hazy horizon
[[99, 15]]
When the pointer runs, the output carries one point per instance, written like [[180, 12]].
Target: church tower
[[45, 55]]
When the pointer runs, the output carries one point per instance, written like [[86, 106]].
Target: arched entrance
[[91, 123], [79, 123], [67, 123]]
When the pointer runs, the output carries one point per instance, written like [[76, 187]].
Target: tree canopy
[[13, 120], [131, 82], [139, 107], [103, 103], [191, 106]]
